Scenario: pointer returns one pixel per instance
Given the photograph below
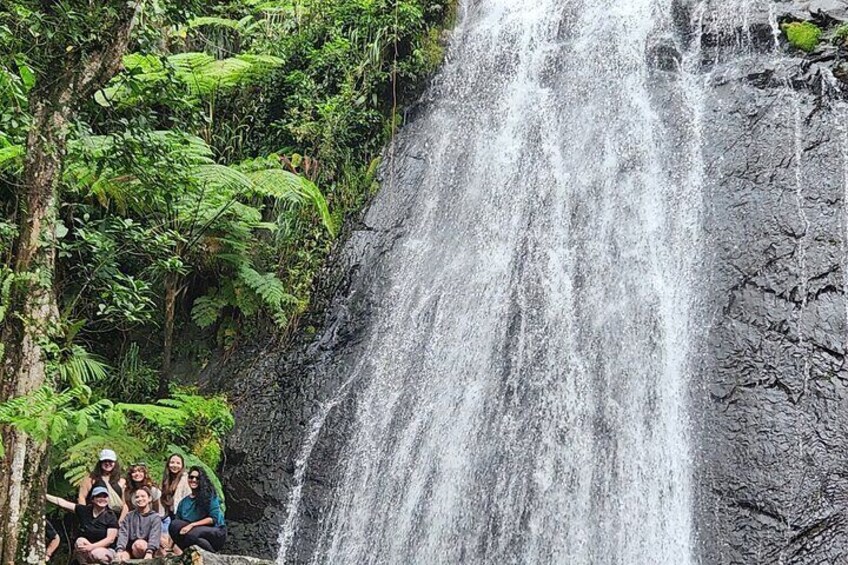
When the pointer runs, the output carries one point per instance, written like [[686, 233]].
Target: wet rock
[[833, 9], [771, 483], [196, 556], [279, 389], [201, 557], [772, 398]]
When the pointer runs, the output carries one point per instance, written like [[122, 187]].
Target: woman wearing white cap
[[98, 526], [106, 474]]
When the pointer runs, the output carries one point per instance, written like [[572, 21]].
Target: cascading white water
[[523, 390]]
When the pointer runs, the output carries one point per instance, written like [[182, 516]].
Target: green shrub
[[802, 35]]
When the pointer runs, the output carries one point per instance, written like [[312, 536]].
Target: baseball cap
[[97, 491], [108, 455]]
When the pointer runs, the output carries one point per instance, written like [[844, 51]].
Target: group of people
[[130, 517]]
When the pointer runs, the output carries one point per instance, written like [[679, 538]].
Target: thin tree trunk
[[31, 321], [171, 283]]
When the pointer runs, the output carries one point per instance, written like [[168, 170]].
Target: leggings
[[210, 538]]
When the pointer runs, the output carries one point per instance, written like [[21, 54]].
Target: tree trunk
[[32, 320], [32, 316], [171, 283]]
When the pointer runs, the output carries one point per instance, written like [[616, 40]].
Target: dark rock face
[[277, 391], [772, 479]]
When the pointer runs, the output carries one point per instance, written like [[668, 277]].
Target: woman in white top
[[107, 474], [174, 489]]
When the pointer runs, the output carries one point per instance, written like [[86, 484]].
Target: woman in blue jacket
[[199, 519]]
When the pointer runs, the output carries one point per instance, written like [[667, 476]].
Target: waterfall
[[520, 393]]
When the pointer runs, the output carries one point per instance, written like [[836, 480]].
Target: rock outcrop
[[773, 403]]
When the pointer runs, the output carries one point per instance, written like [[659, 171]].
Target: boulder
[[832, 9]]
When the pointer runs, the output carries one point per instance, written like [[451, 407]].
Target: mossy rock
[[802, 35]]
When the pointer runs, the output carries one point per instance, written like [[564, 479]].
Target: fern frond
[[206, 310], [267, 286], [11, 157], [213, 21], [164, 417], [80, 457], [284, 185]]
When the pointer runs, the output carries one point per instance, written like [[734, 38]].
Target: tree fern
[[284, 185], [201, 74], [212, 413], [165, 418], [80, 457], [46, 414]]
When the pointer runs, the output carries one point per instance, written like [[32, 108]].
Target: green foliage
[[201, 75], [840, 34], [802, 35], [48, 415], [194, 173], [77, 367], [191, 460], [78, 430], [133, 380]]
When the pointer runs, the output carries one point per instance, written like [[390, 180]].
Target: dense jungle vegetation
[[172, 177]]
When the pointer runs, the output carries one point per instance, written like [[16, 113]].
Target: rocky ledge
[[197, 556]]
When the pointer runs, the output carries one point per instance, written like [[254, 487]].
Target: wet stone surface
[[278, 391], [771, 400]]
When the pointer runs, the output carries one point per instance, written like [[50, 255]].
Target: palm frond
[[78, 367]]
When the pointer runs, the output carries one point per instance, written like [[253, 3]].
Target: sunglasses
[[193, 477]]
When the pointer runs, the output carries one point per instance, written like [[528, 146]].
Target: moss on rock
[[802, 35]]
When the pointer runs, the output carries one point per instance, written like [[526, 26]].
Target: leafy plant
[[201, 74]]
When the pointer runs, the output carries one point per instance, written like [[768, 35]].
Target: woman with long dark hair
[[199, 519], [174, 489], [107, 474]]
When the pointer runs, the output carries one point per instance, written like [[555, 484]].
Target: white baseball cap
[[108, 455]]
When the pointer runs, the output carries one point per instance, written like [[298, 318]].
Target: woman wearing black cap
[[98, 526]]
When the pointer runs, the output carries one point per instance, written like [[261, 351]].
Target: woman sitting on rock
[[198, 519], [137, 477], [107, 474], [98, 526], [174, 489], [141, 529]]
